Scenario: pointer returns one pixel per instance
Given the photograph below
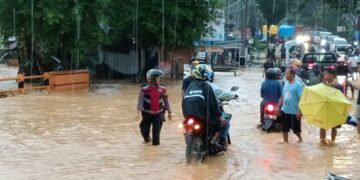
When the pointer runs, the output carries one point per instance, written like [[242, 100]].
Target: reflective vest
[[153, 99]]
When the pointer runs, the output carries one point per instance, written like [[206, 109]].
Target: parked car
[[329, 41], [343, 51], [337, 42]]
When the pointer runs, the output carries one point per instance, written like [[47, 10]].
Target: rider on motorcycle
[[200, 102], [190, 78], [271, 90], [221, 95]]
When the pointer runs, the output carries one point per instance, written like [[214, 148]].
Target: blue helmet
[[209, 73]]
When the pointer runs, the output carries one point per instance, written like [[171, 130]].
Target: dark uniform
[[153, 102], [200, 102]]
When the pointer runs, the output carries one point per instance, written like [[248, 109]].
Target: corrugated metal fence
[[122, 63]]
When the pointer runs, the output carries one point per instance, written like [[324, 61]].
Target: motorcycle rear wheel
[[194, 150]]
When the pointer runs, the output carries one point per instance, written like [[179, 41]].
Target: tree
[[185, 21], [54, 29], [267, 9], [69, 29]]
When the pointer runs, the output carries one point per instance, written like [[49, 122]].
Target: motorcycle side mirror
[[234, 88]]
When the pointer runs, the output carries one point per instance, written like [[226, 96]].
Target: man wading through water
[[152, 104], [289, 104]]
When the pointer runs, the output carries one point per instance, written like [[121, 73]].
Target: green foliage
[[102, 22], [266, 7]]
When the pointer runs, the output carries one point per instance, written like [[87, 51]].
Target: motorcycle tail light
[[197, 127], [270, 108], [190, 121]]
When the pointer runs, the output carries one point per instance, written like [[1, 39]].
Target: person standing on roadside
[[357, 108], [267, 65], [354, 68], [283, 53]]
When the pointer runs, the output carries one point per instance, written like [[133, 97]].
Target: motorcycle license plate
[[272, 117], [188, 137]]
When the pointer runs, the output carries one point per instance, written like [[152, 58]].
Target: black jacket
[[199, 100]]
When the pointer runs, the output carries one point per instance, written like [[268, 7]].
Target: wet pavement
[[94, 135]]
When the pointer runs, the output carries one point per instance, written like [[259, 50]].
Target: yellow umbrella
[[324, 106]]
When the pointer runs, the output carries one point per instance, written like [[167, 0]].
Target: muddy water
[[93, 135]]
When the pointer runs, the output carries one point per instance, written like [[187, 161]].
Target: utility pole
[[287, 9], [14, 19], [246, 12], [297, 9], [163, 33], [321, 21], [273, 7], [338, 14], [238, 16]]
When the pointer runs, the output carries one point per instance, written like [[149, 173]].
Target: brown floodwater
[[94, 135]]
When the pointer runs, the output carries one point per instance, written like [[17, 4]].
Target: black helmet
[[283, 68], [154, 73], [199, 72], [271, 73]]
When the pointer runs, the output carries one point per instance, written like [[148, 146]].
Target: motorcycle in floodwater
[[198, 135], [270, 119]]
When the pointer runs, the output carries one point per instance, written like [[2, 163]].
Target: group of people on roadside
[[286, 95]]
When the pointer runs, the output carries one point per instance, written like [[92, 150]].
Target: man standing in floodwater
[[289, 103], [152, 103]]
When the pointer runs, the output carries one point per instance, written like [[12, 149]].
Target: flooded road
[[8, 71], [93, 135]]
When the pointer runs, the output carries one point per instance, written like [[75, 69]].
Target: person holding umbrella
[[324, 106], [330, 80]]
